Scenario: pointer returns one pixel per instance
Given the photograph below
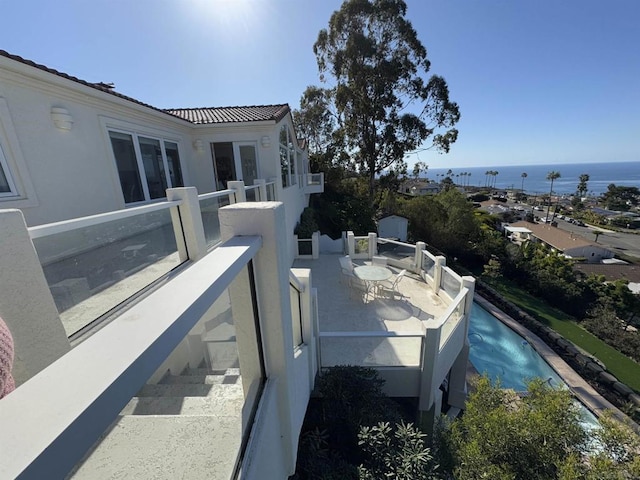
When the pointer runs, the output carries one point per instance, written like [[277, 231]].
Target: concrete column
[[420, 246], [430, 401], [351, 244], [315, 245], [437, 272], [458, 378], [187, 223], [373, 245], [238, 187], [307, 310], [469, 283], [26, 304], [271, 269], [262, 189]]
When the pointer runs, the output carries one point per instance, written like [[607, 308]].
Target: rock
[[594, 367], [635, 399], [606, 377], [622, 389]]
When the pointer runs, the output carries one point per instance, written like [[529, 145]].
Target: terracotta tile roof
[[103, 87], [611, 272], [254, 113], [554, 236], [213, 115]]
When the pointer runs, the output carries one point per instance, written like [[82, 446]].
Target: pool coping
[[577, 385]]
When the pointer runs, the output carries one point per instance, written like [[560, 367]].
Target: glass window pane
[[284, 166], [225, 167], [4, 181], [292, 163], [173, 159], [126, 162], [153, 167]]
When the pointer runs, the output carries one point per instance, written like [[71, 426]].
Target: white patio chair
[[377, 260], [385, 286], [346, 267], [359, 287]]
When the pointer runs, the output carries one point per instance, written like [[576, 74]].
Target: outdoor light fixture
[[265, 141], [61, 118], [198, 145]]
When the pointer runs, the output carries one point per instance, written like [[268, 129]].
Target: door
[[234, 161], [248, 162]]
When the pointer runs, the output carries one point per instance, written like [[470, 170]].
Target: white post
[[238, 188], [437, 272], [308, 315], [188, 223], [271, 273], [373, 245], [458, 373], [351, 244], [420, 246], [430, 400], [262, 189], [26, 304], [315, 245]]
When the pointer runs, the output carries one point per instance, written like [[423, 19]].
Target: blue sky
[[537, 81]]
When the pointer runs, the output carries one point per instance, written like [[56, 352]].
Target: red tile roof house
[[569, 244], [145, 275]]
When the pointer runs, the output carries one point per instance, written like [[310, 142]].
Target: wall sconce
[[265, 141], [198, 145], [61, 118]]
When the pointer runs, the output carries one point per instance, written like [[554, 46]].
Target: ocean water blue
[[600, 176]]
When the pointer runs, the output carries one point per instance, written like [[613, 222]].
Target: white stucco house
[[146, 277]]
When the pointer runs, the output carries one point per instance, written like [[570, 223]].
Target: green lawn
[[625, 369]]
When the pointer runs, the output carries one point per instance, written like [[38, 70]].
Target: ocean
[[601, 175]]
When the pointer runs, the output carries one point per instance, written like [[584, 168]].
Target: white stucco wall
[[592, 253]]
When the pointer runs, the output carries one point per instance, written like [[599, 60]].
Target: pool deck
[[578, 386]]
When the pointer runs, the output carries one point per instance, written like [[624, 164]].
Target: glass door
[[247, 162]]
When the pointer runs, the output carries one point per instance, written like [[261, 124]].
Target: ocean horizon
[[601, 175]]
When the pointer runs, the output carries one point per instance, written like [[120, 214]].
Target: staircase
[[186, 426]]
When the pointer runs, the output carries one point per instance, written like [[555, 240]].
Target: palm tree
[[524, 175], [495, 175], [553, 175], [486, 178], [469, 174]]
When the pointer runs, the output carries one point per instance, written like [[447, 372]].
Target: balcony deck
[[419, 307]]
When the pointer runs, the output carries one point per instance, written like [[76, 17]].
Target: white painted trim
[[40, 231], [218, 194], [6, 171]]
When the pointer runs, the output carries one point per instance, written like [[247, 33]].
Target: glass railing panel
[[361, 245], [296, 315], [450, 283], [271, 192], [396, 250], [90, 270], [428, 265], [452, 321], [375, 351], [209, 211], [305, 246], [252, 194]]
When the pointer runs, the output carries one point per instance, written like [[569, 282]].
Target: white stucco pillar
[[437, 272], [271, 268], [238, 187], [188, 224], [262, 189], [26, 304], [420, 246], [430, 400], [351, 244], [373, 245]]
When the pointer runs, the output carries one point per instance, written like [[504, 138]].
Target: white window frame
[[290, 147], [22, 192], [135, 132], [4, 166]]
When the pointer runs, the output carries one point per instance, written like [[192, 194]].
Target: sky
[[537, 81]]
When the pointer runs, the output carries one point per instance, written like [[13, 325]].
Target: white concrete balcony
[[313, 182]]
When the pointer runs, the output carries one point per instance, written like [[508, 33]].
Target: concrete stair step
[[165, 447], [201, 379], [225, 405], [187, 390], [207, 371]]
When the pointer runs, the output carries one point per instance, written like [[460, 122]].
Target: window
[[7, 187], [146, 166], [287, 157]]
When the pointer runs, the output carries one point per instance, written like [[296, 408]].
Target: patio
[[386, 331]]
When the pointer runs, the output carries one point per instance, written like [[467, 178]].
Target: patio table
[[372, 273]]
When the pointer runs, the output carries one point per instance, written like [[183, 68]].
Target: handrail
[[395, 242], [373, 334], [220, 193], [295, 283], [45, 230], [251, 187], [80, 394], [453, 274]]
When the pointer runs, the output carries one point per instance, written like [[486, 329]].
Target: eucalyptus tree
[[582, 186], [553, 175], [371, 56]]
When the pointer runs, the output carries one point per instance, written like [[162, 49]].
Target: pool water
[[503, 354]]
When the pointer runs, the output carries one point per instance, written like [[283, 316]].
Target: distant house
[[393, 226], [613, 272], [517, 235], [419, 187], [570, 244]]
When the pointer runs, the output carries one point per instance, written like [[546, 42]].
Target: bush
[[307, 224]]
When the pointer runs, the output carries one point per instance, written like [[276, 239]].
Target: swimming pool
[[503, 354]]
